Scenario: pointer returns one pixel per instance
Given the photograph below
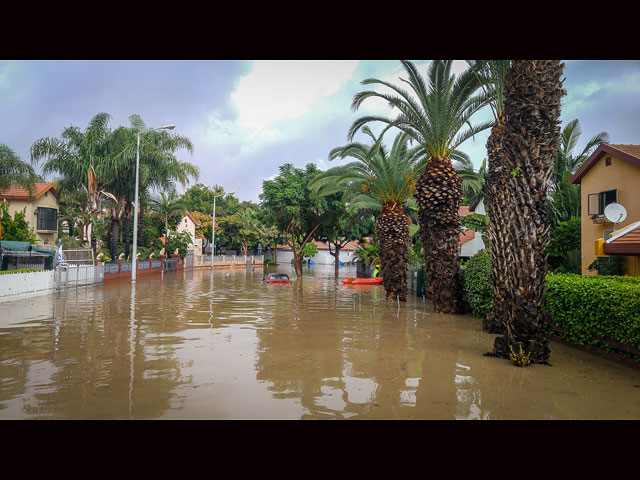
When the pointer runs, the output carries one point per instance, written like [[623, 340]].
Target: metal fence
[[69, 275]]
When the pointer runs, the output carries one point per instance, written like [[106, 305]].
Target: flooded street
[[185, 347]]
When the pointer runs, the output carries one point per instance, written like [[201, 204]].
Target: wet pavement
[[184, 346]]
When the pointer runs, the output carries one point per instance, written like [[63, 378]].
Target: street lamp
[[213, 226], [134, 261]]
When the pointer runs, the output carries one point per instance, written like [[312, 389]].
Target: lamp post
[[213, 226], [134, 263]]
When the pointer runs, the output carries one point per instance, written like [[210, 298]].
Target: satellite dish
[[615, 213]]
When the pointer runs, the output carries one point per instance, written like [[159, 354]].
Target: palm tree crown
[[435, 113], [377, 176]]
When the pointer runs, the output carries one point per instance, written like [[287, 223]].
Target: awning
[[626, 241]]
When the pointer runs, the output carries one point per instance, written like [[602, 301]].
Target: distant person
[[376, 271], [259, 249]]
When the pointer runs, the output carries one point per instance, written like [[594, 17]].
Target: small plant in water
[[519, 359]]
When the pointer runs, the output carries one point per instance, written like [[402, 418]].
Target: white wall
[[470, 248], [323, 257], [14, 286]]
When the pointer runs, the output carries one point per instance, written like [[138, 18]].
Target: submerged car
[[276, 278]]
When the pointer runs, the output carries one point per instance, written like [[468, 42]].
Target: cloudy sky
[[246, 118]]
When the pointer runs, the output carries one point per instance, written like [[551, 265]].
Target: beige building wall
[[186, 224], [624, 177], [47, 200]]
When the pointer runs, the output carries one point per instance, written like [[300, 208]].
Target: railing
[[69, 275]]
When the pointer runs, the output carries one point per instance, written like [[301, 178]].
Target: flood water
[[184, 346]]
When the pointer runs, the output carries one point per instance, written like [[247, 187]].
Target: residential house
[[189, 224], [470, 241], [610, 175], [41, 209]]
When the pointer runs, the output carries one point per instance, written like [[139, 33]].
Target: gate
[[68, 275]]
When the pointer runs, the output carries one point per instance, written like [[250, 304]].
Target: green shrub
[[608, 265], [601, 306], [20, 270], [476, 280]]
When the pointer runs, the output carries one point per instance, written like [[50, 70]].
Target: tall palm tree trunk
[[498, 210], [127, 228], [392, 228], [115, 236], [438, 193], [141, 226], [533, 92]]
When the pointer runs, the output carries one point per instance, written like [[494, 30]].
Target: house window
[[598, 201], [607, 162], [47, 219]]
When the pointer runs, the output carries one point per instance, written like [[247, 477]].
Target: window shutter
[[594, 204]]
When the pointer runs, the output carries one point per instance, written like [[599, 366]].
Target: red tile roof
[[466, 236], [18, 192], [626, 244], [463, 210]]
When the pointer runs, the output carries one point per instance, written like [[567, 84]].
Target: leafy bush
[[178, 241], [476, 280], [601, 306], [17, 228], [70, 243], [20, 270], [564, 247], [608, 265]]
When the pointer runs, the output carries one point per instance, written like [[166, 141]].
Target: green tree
[[563, 249], [80, 158], [380, 182], [17, 228], [159, 169], [288, 204], [199, 198], [249, 226], [436, 113], [169, 208], [564, 196], [530, 135], [14, 170], [492, 77]]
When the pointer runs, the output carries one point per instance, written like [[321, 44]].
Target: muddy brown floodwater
[[185, 347]]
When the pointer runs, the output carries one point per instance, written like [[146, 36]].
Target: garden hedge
[[606, 307], [476, 281], [20, 270]]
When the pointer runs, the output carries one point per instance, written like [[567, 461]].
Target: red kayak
[[363, 281]]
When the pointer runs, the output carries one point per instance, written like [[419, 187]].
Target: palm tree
[[80, 158], [565, 197], [492, 77], [158, 169], [14, 170], [168, 208], [528, 144], [380, 181], [436, 115], [474, 183], [248, 226]]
